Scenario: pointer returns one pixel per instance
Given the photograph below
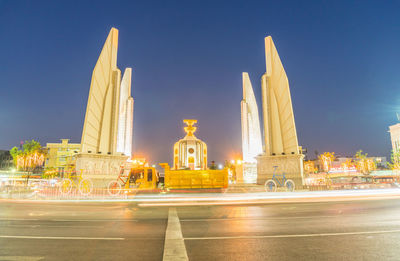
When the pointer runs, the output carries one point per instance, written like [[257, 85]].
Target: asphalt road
[[351, 230]]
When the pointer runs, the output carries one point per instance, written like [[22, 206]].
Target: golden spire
[[190, 129]]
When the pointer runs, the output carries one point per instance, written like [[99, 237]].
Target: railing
[[51, 190]]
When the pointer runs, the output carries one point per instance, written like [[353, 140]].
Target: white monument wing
[[100, 126], [280, 129], [251, 133]]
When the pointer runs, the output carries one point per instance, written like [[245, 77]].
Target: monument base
[[249, 172], [290, 165], [99, 165]]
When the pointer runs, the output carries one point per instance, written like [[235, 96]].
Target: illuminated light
[[30, 160], [220, 166], [239, 162], [342, 169], [256, 198], [309, 166], [232, 161], [326, 160]]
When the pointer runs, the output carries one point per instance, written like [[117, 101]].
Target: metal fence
[[40, 189]]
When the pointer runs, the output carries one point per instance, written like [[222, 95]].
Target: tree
[[31, 146], [363, 164], [326, 159], [395, 160], [30, 158], [15, 152], [348, 164]]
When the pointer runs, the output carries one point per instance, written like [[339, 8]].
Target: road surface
[[351, 230]]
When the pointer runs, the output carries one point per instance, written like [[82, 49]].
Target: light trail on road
[[200, 199]]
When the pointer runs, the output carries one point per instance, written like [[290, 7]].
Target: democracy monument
[[106, 142], [281, 152]]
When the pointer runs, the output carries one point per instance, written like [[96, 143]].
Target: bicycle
[[84, 185], [114, 187], [272, 184], [134, 180]]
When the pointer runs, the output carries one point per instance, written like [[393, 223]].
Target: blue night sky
[[342, 59]]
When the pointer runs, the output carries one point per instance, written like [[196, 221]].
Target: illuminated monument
[[107, 131], [251, 133], [125, 121], [281, 146], [190, 152]]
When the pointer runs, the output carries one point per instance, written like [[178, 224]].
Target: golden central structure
[[281, 150], [107, 131], [190, 152]]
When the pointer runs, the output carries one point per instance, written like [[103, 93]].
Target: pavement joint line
[[63, 238], [174, 245], [297, 235]]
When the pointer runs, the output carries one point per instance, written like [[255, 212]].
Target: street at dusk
[[199, 130], [351, 230]]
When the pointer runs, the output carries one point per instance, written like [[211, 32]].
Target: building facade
[[61, 155], [395, 136], [6, 160]]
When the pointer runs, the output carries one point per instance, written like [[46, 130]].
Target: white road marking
[[174, 246], [298, 235], [64, 238], [21, 258]]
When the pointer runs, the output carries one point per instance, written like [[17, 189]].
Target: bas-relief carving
[[291, 166], [250, 172], [100, 164]]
